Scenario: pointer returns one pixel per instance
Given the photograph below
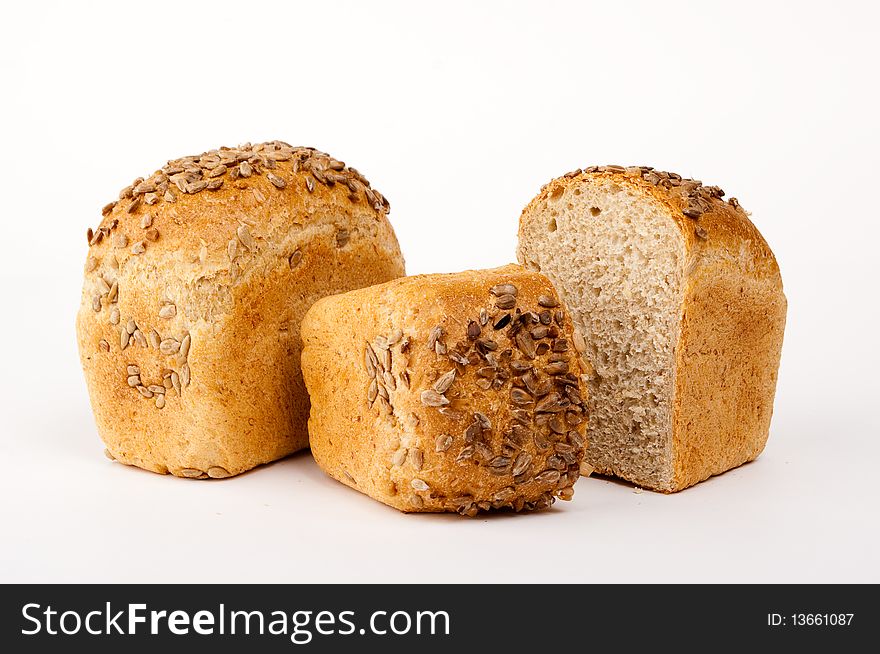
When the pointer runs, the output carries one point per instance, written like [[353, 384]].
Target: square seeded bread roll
[[456, 392], [195, 285], [680, 302]]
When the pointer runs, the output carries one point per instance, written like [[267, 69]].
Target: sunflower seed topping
[[547, 301], [444, 381], [503, 289], [442, 443], [431, 397], [507, 301], [244, 235], [419, 485], [276, 181]]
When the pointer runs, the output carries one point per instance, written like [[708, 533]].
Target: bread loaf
[[680, 302], [195, 285], [456, 392]]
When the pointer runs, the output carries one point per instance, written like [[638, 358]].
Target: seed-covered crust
[[731, 322], [707, 222], [195, 283], [457, 392]]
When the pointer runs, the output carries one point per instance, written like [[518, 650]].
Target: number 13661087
[[810, 619]]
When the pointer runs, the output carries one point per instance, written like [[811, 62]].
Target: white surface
[[458, 113]]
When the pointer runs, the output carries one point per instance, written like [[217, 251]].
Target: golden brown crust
[[207, 383], [444, 440], [732, 321]]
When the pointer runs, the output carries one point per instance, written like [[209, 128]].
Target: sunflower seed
[[580, 345], [458, 358], [114, 316], [503, 289], [295, 258], [216, 472], [191, 473], [473, 330], [184, 375], [184, 346], [483, 451], [520, 397], [383, 392], [134, 381], [444, 382], [175, 381], [542, 442], [431, 397], [505, 302], [539, 332], [442, 443], [146, 392], [484, 317], [398, 458], [522, 463], [276, 181], [472, 433], [310, 184], [419, 485], [548, 477], [547, 301], [434, 336], [466, 454], [502, 322], [139, 338], [124, 338], [559, 345], [549, 403], [556, 462], [416, 458], [525, 344], [168, 311], [499, 465], [113, 293], [557, 368], [244, 235], [565, 494], [169, 346], [483, 420]]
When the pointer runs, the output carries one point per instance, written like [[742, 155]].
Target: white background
[[458, 112]]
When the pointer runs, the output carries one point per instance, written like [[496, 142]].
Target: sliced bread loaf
[[679, 301]]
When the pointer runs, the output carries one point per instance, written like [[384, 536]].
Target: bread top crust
[[711, 228], [208, 200]]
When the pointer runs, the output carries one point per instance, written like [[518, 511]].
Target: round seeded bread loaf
[[680, 302], [195, 285], [456, 392]]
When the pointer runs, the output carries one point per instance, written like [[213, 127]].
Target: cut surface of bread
[[680, 303]]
